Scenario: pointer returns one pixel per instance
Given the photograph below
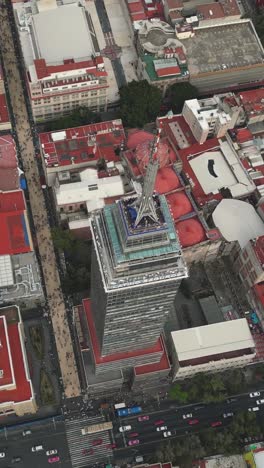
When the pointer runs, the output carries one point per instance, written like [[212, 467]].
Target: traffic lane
[[19, 446], [36, 429]]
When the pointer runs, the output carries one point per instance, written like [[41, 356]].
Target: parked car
[[51, 452], [255, 408], [187, 416], [167, 434], [161, 428], [124, 428], [216, 423], [133, 442], [54, 459], [254, 394], [97, 442], [193, 421], [143, 418], [26, 432], [228, 415]]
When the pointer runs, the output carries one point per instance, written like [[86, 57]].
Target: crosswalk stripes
[[78, 443]]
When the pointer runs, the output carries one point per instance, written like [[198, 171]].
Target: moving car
[[124, 428], [159, 422], [161, 428], [254, 394], [187, 416], [37, 448], [53, 459], [133, 442], [133, 434], [167, 434], [16, 460], [230, 400], [2, 454], [255, 408], [260, 402], [97, 442], [143, 418], [51, 452], [216, 423], [26, 432], [228, 415], [193, 421]]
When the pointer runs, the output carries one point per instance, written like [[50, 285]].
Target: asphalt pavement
[[49, 433]]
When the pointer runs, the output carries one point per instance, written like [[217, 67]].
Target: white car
[[167, 434], [187, 416], [260, 402], [256, 408], [51, 452], [254, 394], [26, 432], [37, 448], [2, 454], [124, 428], [162, 428], [228, 415]]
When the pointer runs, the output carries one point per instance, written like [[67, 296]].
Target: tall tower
[[137, 267]]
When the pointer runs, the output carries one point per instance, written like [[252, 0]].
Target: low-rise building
[[211, 348], [16, 391]]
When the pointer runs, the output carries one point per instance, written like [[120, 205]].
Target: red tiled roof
[[168, 71], [166, 180], [259, 290], [5, 363], [211, 11], [113, 357], [43, 70], [23, 388], [163, 365], [136, 7], [230, 8], [79, 144], [243, 134], [172, 136], [180, 204], [138, 16], [259, 249], [253, 101], [13, 225], [191, 232], [9, 179], [135, 137], [175, 4], [4, 115]]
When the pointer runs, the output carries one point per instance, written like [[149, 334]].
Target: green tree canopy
[[139, 103], [78, 117], [177, 393], [178, 93]]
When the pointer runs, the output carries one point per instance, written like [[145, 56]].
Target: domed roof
[[136, 137], [238, 220], [166, 180], [190, 232], [143, 151], [179, 204]]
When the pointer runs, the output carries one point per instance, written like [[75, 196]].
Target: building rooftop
[[177, 131], [209, 340], [4, 115], [211, 11], [9, 179], [258, 245], [229, 217], [190, 232], [15, 232], [232, 45], [15, 384], [253, 101], [162, 365], [156, 73], [51, 34], [82, 145]]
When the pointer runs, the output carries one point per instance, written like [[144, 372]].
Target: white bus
[[106, 426]]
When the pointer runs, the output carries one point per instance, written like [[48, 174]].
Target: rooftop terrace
[[229, 46]]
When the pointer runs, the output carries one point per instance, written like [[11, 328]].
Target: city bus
[[100, 427], [129, 411]]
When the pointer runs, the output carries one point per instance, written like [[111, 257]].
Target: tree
[[78, 117], [235, 381], [139, 103], [177, 393], [63, 239], [178, 93]]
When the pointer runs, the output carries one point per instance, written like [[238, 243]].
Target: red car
[[133, 434], [193, 421], [216, 423], [158, 423], [53, 459], [143, 418], [133, 442], [97, 442]]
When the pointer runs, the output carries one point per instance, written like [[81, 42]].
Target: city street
[[49, 433], [24, 128]]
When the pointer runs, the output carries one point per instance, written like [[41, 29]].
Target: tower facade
[[137, 267]]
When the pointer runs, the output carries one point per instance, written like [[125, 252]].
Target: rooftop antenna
[[145, 201]]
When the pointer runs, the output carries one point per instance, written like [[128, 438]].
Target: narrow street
[[24, 130]]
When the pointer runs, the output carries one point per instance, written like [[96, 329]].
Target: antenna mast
[[145, 201]]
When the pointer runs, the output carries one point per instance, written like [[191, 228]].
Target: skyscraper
[[137, 267]]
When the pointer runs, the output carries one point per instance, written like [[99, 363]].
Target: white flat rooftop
[[62, 33], [209, 340]]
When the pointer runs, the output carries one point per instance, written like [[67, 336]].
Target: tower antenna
[[145, 202]]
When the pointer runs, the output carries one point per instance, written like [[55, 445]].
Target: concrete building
[[63, 73], [16, 391], [72, 150], [211, 348], [205, 119]]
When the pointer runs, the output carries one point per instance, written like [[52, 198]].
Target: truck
[[129, 411]]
